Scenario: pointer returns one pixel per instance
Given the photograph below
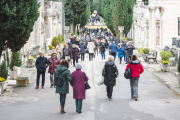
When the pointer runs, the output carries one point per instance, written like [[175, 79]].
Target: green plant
[[51, 47], [145, 50], [15, 61], [60, 39], [3, 70], [123, 38], [119, 35], [31, 59], [140, 50], [76, 34], [54, 41], [165, 55], [178, 66], [72, 34]]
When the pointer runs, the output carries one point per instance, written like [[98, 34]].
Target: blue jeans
[[82, 56], [120, 59], [134, 86], [103, 54], [114, 55]]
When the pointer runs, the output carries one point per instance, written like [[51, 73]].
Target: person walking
[[69, 44], [82, 50], [124, 44], [41, 65], [110, 73], [67, 53], [91, 47], [53, 64], [75, 52], [59, 49], [103, 48], [77, 41], [113, 47], [136, 70], [117, 40], [79, 86], [120, 52], [66, 75], [129, 52]]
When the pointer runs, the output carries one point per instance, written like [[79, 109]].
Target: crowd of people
[[90, 42]]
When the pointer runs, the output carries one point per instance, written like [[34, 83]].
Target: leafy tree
[[3, 70], [85, 15], [16, 22], [99, 12], [74, 10], [91, 6]]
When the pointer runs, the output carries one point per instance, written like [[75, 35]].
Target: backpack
[[103, 46], [59, 80]]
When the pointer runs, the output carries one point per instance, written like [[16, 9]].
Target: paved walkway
[[156, 101]]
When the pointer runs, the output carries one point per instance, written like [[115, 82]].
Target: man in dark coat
[[73, 40], [113, 47], [110, 73], [117, 40], [41, 65], [69, 44], [129, 52]]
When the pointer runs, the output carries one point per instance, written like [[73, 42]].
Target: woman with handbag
[[66, 52], [53, 64], [66, 75], [110, 73], [79, 89], [136, 69], [75, 54]]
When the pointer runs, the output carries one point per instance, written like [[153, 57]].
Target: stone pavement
[[168, 78], [156, 101]]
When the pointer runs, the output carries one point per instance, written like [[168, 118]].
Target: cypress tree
[[16, 22], [92, 6], [99, 12]]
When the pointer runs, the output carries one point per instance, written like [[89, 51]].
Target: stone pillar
[[153, 38], [50, 27]]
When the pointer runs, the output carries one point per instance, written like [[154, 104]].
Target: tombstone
[[178, 43], [174, 41], [172, 61]]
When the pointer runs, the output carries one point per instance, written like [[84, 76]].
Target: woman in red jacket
[[136, 70]]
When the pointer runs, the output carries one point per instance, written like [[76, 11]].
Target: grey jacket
[[117, 40], [129, 51]]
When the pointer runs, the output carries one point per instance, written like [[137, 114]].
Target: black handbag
[[87, 86], [78, 56], [128, 74]]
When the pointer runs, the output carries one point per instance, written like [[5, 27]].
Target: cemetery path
[[156, 101]]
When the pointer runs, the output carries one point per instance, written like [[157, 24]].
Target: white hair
[[111, 58], [78, 66]]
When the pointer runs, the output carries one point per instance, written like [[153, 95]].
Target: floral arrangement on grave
[[2, 79], [146, 51], [123, 38], [140, 50], [165, 55], [3, 72], [51, 47], [31, 59]]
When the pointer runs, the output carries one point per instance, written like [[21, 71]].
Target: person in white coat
[[59, 49], [91, 47]]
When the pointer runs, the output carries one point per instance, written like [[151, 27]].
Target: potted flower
[[178, 73], [145, 53], [30, 62], [140, 50], [3, 77], [165, 55]]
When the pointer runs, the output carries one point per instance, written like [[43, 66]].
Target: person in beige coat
[[59, 49], [91, 47]]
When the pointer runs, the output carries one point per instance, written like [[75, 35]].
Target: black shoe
[[51, 86], [76, 111], [79, 112]]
